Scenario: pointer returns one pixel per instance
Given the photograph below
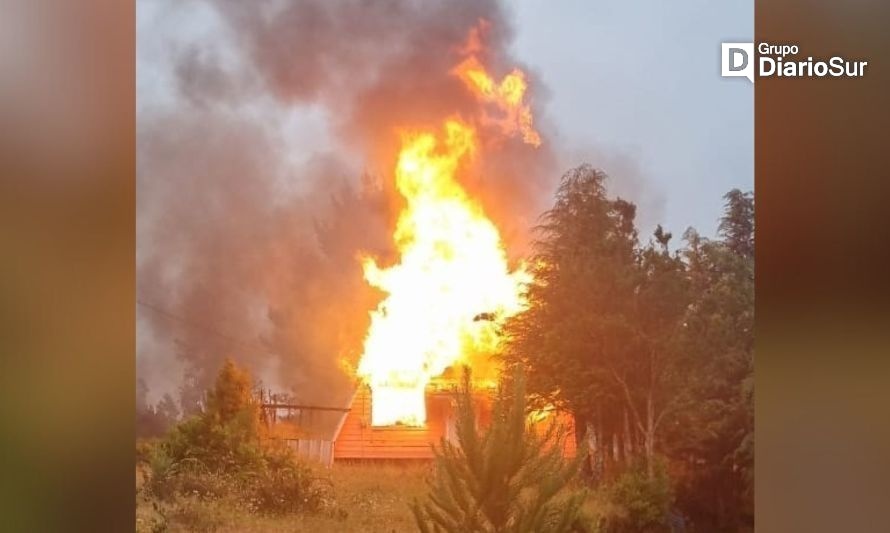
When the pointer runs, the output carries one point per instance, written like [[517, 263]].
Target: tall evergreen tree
[[737, 224], [716, 434], [227, 435], [600, 336], [651, 350], [232, 392], [654, 376], [584, 278]]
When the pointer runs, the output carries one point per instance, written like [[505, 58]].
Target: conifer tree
[[227, 435], [504, 478]]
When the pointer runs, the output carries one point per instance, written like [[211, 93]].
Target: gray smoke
[[266, 135]]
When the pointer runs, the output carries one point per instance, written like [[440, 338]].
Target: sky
[[638, 83]]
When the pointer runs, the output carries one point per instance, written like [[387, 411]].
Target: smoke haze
[[267, 132]]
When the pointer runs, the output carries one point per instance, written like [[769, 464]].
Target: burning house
[[449, 290], [452, 287], [358, 439], [329, 434]]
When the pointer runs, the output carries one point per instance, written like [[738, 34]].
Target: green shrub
[[291, 489], [277, 482], [163, 470], [640, 504], [221, 453], [221, 446], [505, 478]]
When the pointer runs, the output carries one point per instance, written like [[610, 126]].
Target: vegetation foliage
[[648, 346], [221, 453], [641, 502], [503, 478]]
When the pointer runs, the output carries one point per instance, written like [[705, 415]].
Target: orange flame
[[452, 288], [508, 96]]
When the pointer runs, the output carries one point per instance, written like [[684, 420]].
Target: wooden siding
[[318, 450], [357, 439]]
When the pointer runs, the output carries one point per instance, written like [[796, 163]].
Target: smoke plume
[[267, 134]]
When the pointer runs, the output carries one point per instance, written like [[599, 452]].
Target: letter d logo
[[737, 60]]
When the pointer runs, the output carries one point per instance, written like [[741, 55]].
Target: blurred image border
[[67, 230]]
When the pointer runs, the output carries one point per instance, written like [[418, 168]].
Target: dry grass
[[367, 498]]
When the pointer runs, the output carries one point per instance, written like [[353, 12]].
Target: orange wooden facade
[[356, 439], [569, 447]]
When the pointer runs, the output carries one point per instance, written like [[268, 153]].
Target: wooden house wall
[[357, 439], [318, 450]]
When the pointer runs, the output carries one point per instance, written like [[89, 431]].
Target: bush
[[220, 453], [274, 481], [640, 504], [291, 489], [506, 478], [220, 446]]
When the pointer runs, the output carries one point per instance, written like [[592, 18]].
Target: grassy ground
[[367, 498]]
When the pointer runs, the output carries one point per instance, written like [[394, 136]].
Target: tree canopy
[[651, 348]]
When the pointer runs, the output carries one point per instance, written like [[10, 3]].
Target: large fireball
[[452, 287]]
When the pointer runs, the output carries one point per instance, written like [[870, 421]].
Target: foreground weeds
[[357, 498]]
